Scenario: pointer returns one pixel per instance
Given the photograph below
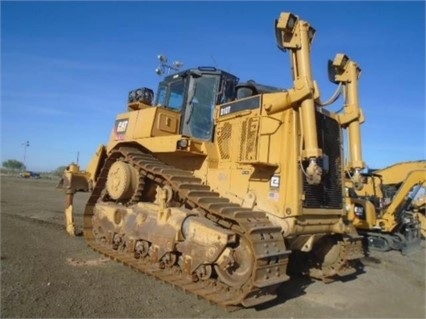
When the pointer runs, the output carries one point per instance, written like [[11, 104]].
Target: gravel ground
[[47, 274]]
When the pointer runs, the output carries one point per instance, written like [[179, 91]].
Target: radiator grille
[[328, 194], [248, 145], [224, 140]]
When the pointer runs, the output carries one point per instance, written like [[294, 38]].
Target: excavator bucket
[[410, 247], [412, 241]]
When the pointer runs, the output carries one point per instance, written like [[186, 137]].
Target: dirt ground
[[46, 273]]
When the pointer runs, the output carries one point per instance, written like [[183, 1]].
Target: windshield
[[198, 120], [195, 93], [172, 98]]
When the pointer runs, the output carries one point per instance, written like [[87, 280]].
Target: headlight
[[143, 95], [359, 211]]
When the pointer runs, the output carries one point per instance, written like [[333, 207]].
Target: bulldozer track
[[270, 256]]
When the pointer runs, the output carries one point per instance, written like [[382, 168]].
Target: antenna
[[214, 60], [164, 67]]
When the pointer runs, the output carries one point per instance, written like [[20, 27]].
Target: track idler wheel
[[122, 181]]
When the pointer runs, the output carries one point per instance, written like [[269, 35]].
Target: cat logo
[[121, 128]]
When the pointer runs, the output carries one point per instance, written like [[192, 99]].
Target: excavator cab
[[194, 93]]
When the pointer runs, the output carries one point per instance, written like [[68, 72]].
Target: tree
[[13, 165]]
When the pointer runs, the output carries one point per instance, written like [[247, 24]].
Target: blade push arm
[[347, 73], [297, 35]]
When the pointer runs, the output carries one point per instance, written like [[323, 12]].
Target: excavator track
[[270, 256]]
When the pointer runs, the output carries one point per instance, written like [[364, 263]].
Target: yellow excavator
[[388, 207], [220, 192]]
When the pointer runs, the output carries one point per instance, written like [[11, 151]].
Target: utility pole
[[25, 144]]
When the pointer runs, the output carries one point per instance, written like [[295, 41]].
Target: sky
[[67, 67]]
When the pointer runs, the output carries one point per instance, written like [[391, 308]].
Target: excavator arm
[[402, 200]]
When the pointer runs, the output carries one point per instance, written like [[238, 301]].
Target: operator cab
[[194, 93]]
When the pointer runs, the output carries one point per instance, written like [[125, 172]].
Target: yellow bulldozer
[[220, 192]]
